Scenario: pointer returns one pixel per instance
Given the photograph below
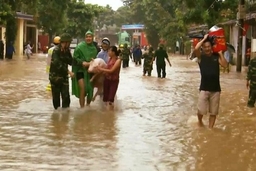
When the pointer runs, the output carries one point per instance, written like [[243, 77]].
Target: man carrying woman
[[81, 85]]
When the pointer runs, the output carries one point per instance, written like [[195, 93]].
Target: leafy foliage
[[162, 18], [8, 9], [171, 19], [51, 15], [80, 18], [5, 12], [123, 16], [105, 17], [210, 12]]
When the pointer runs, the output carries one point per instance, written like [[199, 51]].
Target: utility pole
[[240, 16]]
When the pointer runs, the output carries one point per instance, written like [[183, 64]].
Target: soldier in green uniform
[[161, 55], [125, 54], [251, 82], [148, 62], [58, 75], [121, 46]]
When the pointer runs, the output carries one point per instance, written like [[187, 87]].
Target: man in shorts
[[209, 96]]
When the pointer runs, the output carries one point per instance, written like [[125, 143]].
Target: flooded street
[[152, 129]]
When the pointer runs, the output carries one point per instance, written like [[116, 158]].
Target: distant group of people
[[10, 50], [160, 55]]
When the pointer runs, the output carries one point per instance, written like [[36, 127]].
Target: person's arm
[[54, 62], [130, 54], [71, 74], [76, 60], [144, 55], [98, 55], [155, 55], [249, 75], [222, 61], [113, 69], [167, 58], [153, 59], [197, 50]]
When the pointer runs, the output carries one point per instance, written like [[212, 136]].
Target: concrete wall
[[233, 39], [18, 45], [3, 38]]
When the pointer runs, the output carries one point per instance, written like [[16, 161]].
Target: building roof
[[23, 16], [248, 16], [199, 28], [230, 22]]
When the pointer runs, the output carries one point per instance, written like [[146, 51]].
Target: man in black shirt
[[160, 56], [209, 96]]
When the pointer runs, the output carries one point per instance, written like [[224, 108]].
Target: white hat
[[106, 40]]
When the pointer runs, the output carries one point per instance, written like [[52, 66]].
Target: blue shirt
[[103, 55], [227, 56]]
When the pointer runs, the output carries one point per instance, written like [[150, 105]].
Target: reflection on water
[[152, 129]]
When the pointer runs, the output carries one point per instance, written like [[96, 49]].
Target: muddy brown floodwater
[[152, 129]]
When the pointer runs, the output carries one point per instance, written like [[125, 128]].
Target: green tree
[[8, 11], [140, 13], [81, 17], [51, 16], [105, 18], [5, 12], [210, 12], [123, 16], [160, 17]]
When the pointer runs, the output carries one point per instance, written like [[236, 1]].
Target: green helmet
[[89, 32], [161, 45], [65, 37]]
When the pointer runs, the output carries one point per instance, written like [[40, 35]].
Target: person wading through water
[[56, 42], [81, 85], [111, 80], [148, 62], [104, 53], [209, 95], [58, 75], [125, 54], [161, 55]]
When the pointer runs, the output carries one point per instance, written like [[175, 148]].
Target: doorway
[[31, 36]]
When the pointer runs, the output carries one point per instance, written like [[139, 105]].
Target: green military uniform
[[251, 76], [58, 74], [125, 54], [161, 55], [148, 61]]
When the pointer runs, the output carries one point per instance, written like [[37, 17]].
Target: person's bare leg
[[228, 68], [212, 120], [200, 120], [82, 93], [111, 106], [224, 69], [94, 76]]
